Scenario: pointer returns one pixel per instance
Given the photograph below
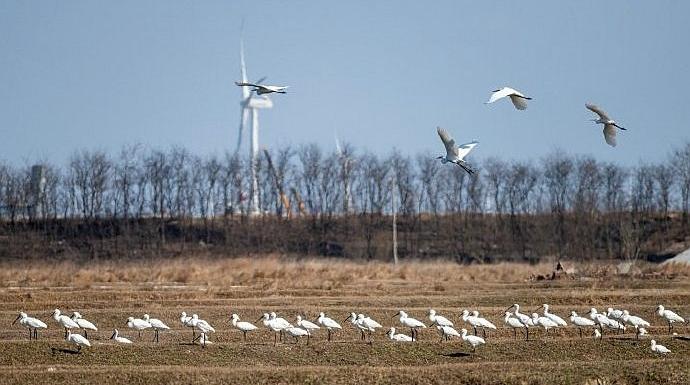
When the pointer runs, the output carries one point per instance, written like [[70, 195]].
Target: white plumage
[[454, 153], [78, 340], [446, 332], [580, 322], [398, 337], [670, 316], [83, 324], [514, 323], [328, 323], [439, 319], [411, 323], [610, 125], [156, 324], [519, 100], [116, 336], [31, 323], [472, 340], [558, 320], [661, 349], [65, 322], [137, 324]]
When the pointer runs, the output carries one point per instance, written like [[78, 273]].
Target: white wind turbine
[[250, 104]]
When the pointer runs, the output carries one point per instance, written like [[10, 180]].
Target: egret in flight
[[610, 125], [261, 89], [455, 153], [519, 100]]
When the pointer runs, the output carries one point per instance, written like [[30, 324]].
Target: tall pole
[[395, 224], [254, 159]]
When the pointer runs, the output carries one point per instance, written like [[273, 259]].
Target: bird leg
[[526, 334], [475, 330], [329, 334], [245, 336], [30, 332], [85, 335], [484, 332]]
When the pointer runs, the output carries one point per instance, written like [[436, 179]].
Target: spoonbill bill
[[610, 125], [514, 323], [64, 321], [156, 324], [558, 320], [83, 324], [31, 323], [77, 339], [580, 322], [116, 336], [519, 100], [411, 323], [137, 324], [398, 337], [243, 326], [455, 153], [670, 316], [661, 349], [472, 340], [328, 323]]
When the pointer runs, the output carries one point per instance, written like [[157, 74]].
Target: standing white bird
[[446, 332], [353, 319], [670, 316], [472, 340], [137, 324], [398, 337], [328, 323], [369, 324], [269, 323], [77, 339], [580, 322], [472, 320], [116, 336], [307, 325], [483, 322], [558, 320], [514, 323], [454, 153], [202, 326], [411, 323], [661, 349], [640, 331], [439, 320], [261, 89], [519, 100], [156, 324], [544, 322], [243, 326], [609, 124], [31, 323], [280, 322], [64, 321], [597, 334], [603, 320], [297, 332], [614, 313], [186, 320], [203, 340], [633, 320], [83, 324]]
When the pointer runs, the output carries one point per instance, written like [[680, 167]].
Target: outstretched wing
[[465, 149], [520, 102], [594, 108], [498, 94], [448, 142], [610, 134], [247, 84]]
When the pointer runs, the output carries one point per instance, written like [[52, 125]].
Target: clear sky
[[383, 74]]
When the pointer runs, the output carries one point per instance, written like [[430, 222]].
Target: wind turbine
[[250, 105]]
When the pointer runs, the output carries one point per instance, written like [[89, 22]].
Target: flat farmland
[[107, 293]]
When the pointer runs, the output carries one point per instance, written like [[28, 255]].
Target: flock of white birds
[[614, 319]]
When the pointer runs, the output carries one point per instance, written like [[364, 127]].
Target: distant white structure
[[38, 188]]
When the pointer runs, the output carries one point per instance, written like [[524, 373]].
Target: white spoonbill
[[454, 153], [633, 320], [411, 323], [328, 323], [439, 320], [472, 320], [580, 322], [201, 325], [514, 323], [186, 321], [446, 332], [83, 324], [116, 336], [156, 324], [280, 322], [472, 340], [297, 332], [64, 321], [369, 324], [398, 337], [137, 324], [544, 322], [77, 339], [483, 322], [558, 320], [31, 323], [614, 313], [243, 326], [307, 325], [519, 100], [670, 316], [268, 322], [261, 89], [640, 331], [353, 319], [609, 124], [656, 348]]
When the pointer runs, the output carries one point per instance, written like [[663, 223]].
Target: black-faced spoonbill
[[514, 323], [64, 321], [580, 322], [472, 340], [271, 324], [411, 323], [353, 319], [670, 316], [439, 320], [78, 340], [33, 324], [328, 323], [610, 125], [157, 325], [243, 326], [369, 324], [519, 100], [661, 349], [83, 324], [137, 324], [201, 325], [117, 338], [398, 337]]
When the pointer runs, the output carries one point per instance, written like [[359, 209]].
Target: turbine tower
[[250, 105]]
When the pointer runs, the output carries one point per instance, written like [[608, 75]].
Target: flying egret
[[328, 323], [483, 322], [398, 337], [137, 324], [609, 124], [446, 332], [243, 326], [307, 325], [411, 323], [544, 322], [472, 340], [454, 153], [580, 322], [670, 316], [519, 100], [297, 332], [558, 320], [64, 321], [633, 320], [116, 336], [83, 324], [261, 89], [77, 339], [656, 348], [156, 324], [31, 323], [514, 323]]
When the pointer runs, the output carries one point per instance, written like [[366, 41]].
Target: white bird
[[454, 153], [83, 324], [64, 321], [597, 334], [368, 324], [472, 320], [31, 323], [137, 324], [483, 322], [202, 326], [203, 340], [472, 340], [243, 326], [261, 89], [514, 323], [558, 320], [156, 324], [640, 331], [353, 320], [268, 322], [603, 320], [398, 337], [614, 313], [519, 100], [280, 322], [439, 320], [544, 322], [186, 320], [411, 323], [77, 339], [297, 332], [116, 336], [670, 316], [307, 325], [446, 332], [524, 318], [633, 320], [580, 322], [609, 124], [656, 348], [328, 323]]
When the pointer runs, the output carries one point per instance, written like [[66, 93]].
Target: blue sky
[[101, 74]]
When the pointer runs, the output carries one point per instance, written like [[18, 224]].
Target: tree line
[[144, 201]]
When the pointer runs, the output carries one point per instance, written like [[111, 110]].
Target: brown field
[[108, 292]]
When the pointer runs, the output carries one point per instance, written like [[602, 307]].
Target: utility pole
[[395, 224]]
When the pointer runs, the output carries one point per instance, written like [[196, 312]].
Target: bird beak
[[16, 319], [113, 336], [348, 317], [259, 319], [396, 314], [510, 307]]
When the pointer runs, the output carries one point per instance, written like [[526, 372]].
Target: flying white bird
[[328, 323], [261, 89], [411, 323], [307, 325], [137, 324], [31, 323], [656, 348], [514, 323], [77, 339], [64, 321], [243, 326], [609, 124], [519, 100], [446, 332], [156, 324], [83, 324], [472, 340], [580, 322], [116, 336], [558, 320], [398, 337], [454, 153], [670, 316]]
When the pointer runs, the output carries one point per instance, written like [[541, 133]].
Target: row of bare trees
[[558, 205]]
